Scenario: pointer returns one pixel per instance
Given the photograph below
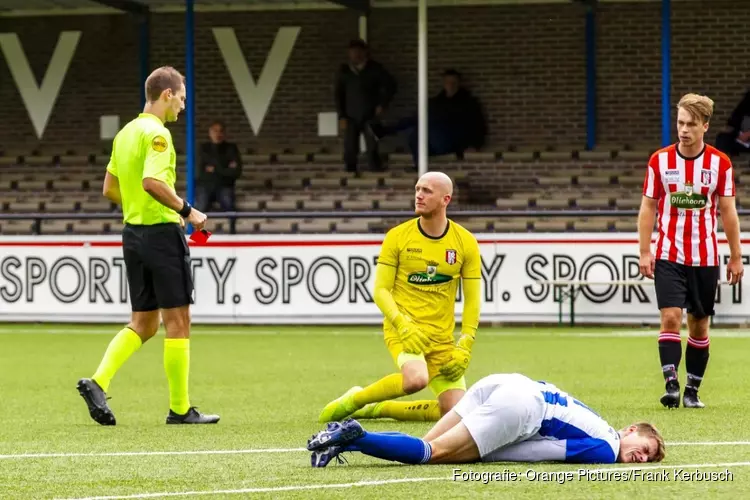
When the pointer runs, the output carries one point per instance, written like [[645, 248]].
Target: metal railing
[[38, 217], [296, 214]]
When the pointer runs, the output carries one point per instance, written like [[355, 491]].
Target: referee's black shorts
[[157, 262], [687, 287]]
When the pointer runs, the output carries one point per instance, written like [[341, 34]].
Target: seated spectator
[[455, 121], [735, 139], [220, 165]]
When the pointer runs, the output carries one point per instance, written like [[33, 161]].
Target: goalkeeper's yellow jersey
[[428, 271]]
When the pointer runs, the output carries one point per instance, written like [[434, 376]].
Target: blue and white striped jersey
[[588, 437], [570, 431]]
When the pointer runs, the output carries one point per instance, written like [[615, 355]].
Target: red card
[[201, 236]]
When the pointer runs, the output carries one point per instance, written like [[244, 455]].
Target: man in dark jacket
[[455, 121], [219, 168], [364, 88], [736, 137]]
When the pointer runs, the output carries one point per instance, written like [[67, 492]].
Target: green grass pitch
[[269, 383]]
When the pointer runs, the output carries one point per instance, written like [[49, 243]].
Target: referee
[[140, 177]]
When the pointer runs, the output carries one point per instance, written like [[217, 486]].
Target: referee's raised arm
[[141, 177]]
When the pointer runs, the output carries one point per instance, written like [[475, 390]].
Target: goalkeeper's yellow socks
[[124, 345], [177, 368], [389, 387], [406, 411], [375, 402]]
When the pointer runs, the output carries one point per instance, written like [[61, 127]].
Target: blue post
[[666, 78], [590, 78], [144, 52], [190, 101]]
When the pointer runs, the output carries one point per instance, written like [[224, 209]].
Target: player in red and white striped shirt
[[684, 185]]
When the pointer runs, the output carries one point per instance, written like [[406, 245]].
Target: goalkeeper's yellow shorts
[[436, 356]]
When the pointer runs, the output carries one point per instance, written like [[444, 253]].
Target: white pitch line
[[666, 466], [739, 333], [218, 331], [270, 489], [709, 443], [264, 450], [300, 331], [150, 453], [393, 481]]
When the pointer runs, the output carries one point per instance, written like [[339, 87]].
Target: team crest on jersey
[[450, 256], [706, 177]]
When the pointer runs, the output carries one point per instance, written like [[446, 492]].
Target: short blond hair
[[648, 430], [699, 106]]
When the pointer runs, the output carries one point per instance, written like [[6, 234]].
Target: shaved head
[[434, 191], [440, 181]]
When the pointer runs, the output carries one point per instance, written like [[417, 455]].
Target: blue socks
[[393, 446]]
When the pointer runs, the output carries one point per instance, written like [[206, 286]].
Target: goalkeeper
[[417, 277]]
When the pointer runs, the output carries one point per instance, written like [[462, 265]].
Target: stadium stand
[[532, 159], [501, 181]]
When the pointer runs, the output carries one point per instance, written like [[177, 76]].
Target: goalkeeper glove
[[460, 357], [413, 339]]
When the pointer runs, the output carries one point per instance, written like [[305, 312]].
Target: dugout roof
[[82, 7]]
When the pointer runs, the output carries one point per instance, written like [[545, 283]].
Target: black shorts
[[686, 287], [157, 262]]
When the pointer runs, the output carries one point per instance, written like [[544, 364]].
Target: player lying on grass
[[502, 418], [419, 267]]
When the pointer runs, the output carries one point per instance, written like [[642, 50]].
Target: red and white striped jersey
[[687, 190]]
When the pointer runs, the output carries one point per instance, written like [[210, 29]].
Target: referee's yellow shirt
[[143, 148]]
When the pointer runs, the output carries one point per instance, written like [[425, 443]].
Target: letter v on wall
[[39, 99], [256, 98]]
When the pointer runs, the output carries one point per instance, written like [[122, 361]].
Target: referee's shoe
[[96, 400], [193, 416]]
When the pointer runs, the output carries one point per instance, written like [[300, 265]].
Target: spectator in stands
[[735, 139], [455, 121], [219, 168], [364, 89]]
